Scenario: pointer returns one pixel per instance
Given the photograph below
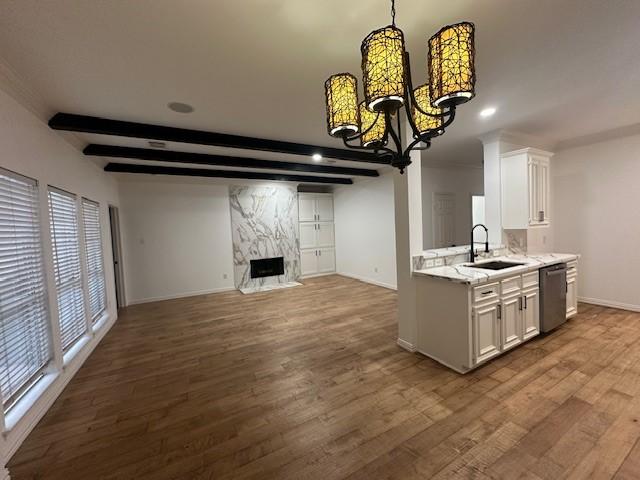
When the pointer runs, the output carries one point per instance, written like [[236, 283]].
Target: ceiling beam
[[103, 126], [218, 160], [205, 172]]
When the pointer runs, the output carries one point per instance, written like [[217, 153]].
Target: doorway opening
[[116, 248]]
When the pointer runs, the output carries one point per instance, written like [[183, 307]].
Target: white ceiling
[[555, 69]]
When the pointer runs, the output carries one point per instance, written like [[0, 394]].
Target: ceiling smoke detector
[[180, 107]]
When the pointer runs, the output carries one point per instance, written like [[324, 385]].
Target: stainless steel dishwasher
[[553, 296]]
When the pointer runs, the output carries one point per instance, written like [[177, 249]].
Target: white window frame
[[68, 268], [94, 266], [44, 353]]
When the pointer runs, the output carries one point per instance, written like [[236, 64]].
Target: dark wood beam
[[205, 172], [87, 124], [151, 154]]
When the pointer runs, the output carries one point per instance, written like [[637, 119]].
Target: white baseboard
[[608, 303], [14, 437], [406, 345], [369, 280], [180, 295]]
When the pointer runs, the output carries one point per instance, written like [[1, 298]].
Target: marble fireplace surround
[[264, 224]]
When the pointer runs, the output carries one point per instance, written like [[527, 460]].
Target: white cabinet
[[531, 313], [317, 236], [486, 332], [525, 188], [510, 316], [513, 305], [572, 289], [315, 207]]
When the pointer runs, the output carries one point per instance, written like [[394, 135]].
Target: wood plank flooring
[[308, 383]]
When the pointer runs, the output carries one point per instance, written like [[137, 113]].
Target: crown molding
[[517, 138], [603, 136]]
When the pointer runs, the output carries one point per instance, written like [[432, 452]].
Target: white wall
[[30, 148], [596, 212], [176, 236], [461, 181], [365, 230]]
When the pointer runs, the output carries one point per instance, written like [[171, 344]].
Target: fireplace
[[267, 267]]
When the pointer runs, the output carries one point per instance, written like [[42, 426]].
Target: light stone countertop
[[469, 273]]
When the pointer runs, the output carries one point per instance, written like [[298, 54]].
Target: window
[[66, 261], [95, 265], [25, 338]]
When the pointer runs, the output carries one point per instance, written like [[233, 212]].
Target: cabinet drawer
[[573, 264], [530, 279], [510, 285], [486, 293]]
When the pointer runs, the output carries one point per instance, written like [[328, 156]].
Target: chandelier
[[386, 73]]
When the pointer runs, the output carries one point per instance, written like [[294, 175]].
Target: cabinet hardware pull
[[520, 303], [487, 292], [525, 302], [499, 312]]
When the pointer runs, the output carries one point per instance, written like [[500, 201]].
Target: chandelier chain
[[393, 12]]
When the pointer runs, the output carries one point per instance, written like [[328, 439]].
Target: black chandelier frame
[[399, 157]]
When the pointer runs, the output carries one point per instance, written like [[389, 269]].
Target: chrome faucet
[[472, 253]]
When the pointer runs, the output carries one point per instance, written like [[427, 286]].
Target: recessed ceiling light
[[316, 157], [180, 107], [487, 112]]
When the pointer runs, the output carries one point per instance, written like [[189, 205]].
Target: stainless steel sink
[[494, 265]]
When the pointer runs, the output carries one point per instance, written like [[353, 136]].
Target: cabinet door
[[324, 208], [531, 313], [486, 332], [308, 262], [534, 197], [306, 207], [326, 260], [543, 189], [308, 235], [511, 321], [325, 236], [572, 295]]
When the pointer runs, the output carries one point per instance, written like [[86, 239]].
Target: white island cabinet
[[467, 316]]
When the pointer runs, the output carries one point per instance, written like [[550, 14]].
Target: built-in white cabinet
[[525, 188], [517, 315], [315, 207], [572, 289], [317, 236]]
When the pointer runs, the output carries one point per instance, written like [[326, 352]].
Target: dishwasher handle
[[551, 273]]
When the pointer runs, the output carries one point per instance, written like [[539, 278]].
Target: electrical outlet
[[224, 276], [375, 269], [430, 263]]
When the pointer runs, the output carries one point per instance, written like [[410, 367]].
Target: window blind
[[63, 217], [95, 264], [25, 338]]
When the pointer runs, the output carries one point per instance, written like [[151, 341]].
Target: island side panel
[[444, 322]]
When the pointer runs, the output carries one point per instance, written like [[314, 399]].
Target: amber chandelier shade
[[341, 94], [451, 55], [376, 123], [425, 123], [372, 126], [383, 69]]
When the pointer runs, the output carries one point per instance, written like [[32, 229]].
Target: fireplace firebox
[[267, 267]]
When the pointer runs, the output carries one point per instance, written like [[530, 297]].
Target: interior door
[[326, 260], [308, 262], [443, 220], [324, 208], [308, 235], [306, 207], [325, 235], [116, 248]]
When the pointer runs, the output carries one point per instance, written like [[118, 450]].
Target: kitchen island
[[468, 315]]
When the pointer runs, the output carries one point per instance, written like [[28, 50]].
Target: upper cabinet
[[525, 188], [315, 207]]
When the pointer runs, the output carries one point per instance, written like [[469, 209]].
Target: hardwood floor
[[308, 383]]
